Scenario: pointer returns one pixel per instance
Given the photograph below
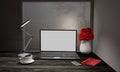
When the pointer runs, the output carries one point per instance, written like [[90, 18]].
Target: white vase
[[85, 47]]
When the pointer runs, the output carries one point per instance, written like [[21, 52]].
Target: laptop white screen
[[58, 40]]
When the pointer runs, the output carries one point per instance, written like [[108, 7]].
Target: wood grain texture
[[9, 62]]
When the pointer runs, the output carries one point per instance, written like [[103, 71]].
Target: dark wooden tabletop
[[9, 62]]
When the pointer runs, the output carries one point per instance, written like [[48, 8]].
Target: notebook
[[91, 61]]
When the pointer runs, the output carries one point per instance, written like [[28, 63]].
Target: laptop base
[[57, 55]]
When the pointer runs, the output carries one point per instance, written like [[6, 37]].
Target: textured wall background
[[54, 15]]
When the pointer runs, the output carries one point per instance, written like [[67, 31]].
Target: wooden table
[[9, 63]]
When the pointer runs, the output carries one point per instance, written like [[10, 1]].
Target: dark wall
[[106, 29], [11, 35]]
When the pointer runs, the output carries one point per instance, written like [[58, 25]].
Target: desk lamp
[[26, 58]]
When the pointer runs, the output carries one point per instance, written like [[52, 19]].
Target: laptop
[[58, 44]]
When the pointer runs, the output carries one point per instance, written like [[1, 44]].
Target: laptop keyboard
[[58, 55]]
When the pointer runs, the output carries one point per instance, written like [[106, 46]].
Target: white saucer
[[26, 61]]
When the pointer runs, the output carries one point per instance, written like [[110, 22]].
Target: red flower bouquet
[[86, 34]]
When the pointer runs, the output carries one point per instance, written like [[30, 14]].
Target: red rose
[[86, 34]]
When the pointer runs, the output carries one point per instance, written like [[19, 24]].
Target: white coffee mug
[[27, 59]]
